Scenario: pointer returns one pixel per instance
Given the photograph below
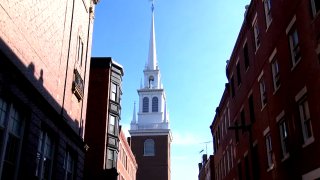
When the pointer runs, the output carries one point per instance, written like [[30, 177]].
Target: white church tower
[[150, 132]]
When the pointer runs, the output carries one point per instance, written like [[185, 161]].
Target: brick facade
[[155, 167], [265, 126], [126, 165], [103, 117], [43, 105]]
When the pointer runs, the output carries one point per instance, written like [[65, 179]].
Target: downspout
[[68, 57], [91, 16]]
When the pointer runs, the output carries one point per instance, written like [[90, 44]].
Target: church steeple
[[152, 59]]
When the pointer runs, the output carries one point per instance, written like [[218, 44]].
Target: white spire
[[152, 59]]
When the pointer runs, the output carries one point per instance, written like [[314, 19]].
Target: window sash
[[283, 137], [305, 119], [145, 106], [113, 92], [256, 34], [263, 96], [155, 104], [269, 150], [275, 74], [294, 46], [44, 156], [267, 9]]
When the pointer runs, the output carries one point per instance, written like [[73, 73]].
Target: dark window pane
[[145, 105]]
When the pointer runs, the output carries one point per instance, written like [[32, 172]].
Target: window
[[305, 119], [263, 93], [251, 108], [149, 147], [154, 104], [283, 137], [69, 166], [114, 92], [246, 56], [275, 74], [269, 150], [267, 11], [315, 4], [145, 105], [111, 158], [112, 125], [294, 46], [44, 156], [11, 130], [232, 87], [256, 33], [238, 74], [80, 51]]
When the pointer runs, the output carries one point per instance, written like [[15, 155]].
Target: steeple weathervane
[[152, 60]]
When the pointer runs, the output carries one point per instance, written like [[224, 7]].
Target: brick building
[[126, 165], [206, 168], [266, 124], [45, 49], [103, 117]]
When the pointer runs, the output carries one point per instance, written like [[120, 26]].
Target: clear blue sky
[[194, 38]]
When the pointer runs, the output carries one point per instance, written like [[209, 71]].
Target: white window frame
[[256, 32], [294, 43], [114, 91], [267, 11], [275, 70], [269, 151], [263, 91]]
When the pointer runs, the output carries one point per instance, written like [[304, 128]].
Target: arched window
[[154, 104], [149, 147], [145, 104]]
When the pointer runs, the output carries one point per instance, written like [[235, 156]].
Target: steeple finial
[[152, 59]]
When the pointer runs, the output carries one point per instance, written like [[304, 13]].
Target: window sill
[[308, 142], [268, 24], [295, 64], [270, 168], [276, 90], [263, 106], [257, 48], [285, 157]]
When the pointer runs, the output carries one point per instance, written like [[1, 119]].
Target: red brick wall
[[305, 74], [38, 33], [152, 167]]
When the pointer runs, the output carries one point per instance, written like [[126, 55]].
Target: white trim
[[280, 116], [266, 131], [237, 62], [301, 93], [250, 93], [260, 76], [314, 174], [244, 43], [254, 19], [293, 20], [245, 154], [272, 55]]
